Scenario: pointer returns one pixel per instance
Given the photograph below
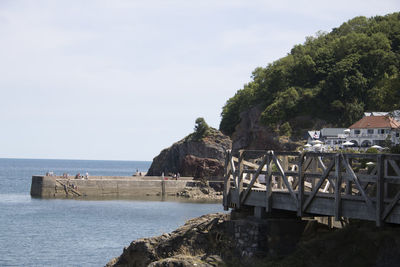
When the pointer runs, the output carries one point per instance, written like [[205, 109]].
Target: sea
[[71, 232]]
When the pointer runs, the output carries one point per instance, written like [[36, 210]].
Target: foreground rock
[[217, 240], [201, 192], [200, 242], [194, 157]]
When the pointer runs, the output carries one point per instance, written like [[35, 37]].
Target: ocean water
[[55, 232]]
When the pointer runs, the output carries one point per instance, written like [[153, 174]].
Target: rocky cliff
[[194, 157], [198, 243], [250, 133]]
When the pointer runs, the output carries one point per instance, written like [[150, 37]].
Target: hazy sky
[[121, 80]]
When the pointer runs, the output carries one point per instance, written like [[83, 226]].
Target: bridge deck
[[358, 186]]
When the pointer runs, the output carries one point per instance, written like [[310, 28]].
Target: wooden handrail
[[319, 175]]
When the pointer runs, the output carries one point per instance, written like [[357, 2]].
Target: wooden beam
[[307, 163], [390, 207], [248, 163], [268, 179], [355, 180], [253, 180], [289, 186], [233, 170], [227, 182], [394, 166], [380, 190], [338, 188], [318, 185], [300, 189]]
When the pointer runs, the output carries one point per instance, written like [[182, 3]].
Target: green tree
[[333, 76], [201, 128], [285, 129]]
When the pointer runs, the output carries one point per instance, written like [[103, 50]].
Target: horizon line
[[75, 159]]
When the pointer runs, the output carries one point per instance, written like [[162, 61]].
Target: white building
[[374, 130], [333, 137]]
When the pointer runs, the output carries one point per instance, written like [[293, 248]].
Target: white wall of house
[[373, 136]]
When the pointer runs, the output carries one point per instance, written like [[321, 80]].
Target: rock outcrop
[[199, 158], [198, 243], [220, 240], [250, 133]]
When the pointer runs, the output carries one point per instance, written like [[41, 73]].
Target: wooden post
[[240, 177], [314, 169], [284, 167], [338, 187], [227, 181], [268, 183], [300, 193], [385, 173], [380, 189], [348, 183]]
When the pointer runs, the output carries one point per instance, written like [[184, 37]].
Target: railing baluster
[[379, 189], [338, 187], [300, 193]]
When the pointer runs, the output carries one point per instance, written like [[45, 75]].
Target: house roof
[[376, 122], [314, 134]]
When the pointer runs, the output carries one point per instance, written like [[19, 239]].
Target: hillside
[[330, 80]]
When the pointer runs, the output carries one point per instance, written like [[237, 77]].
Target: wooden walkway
[[342, 185]]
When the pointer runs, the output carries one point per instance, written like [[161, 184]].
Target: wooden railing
[[363, 186]]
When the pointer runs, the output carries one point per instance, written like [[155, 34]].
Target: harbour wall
[[107, 187]]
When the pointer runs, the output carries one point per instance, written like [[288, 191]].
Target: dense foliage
[[201, 129], [334, 76]]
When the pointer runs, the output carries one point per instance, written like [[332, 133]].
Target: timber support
[[340, 185]]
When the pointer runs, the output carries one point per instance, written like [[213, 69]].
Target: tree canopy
[[333, 76], [201, 128]]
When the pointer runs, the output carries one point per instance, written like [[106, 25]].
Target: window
[[381, 131], [356, 131], [397, 134], [370, 131]]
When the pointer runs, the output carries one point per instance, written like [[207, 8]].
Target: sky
[[122, 80]]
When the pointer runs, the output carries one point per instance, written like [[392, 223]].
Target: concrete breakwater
[[107, 186]]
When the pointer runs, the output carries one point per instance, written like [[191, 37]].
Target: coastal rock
[[202, 167], [250, 133], [198, 242], [199, 158], [201, 192]]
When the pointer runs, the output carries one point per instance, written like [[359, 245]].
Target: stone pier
[[108, 187]]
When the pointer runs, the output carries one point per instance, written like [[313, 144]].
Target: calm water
[[36, 232]]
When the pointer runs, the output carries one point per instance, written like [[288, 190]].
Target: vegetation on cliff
[[201, 154], [333, 77]]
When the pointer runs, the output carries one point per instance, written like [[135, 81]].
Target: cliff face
[[250, 133], [191, 157]]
